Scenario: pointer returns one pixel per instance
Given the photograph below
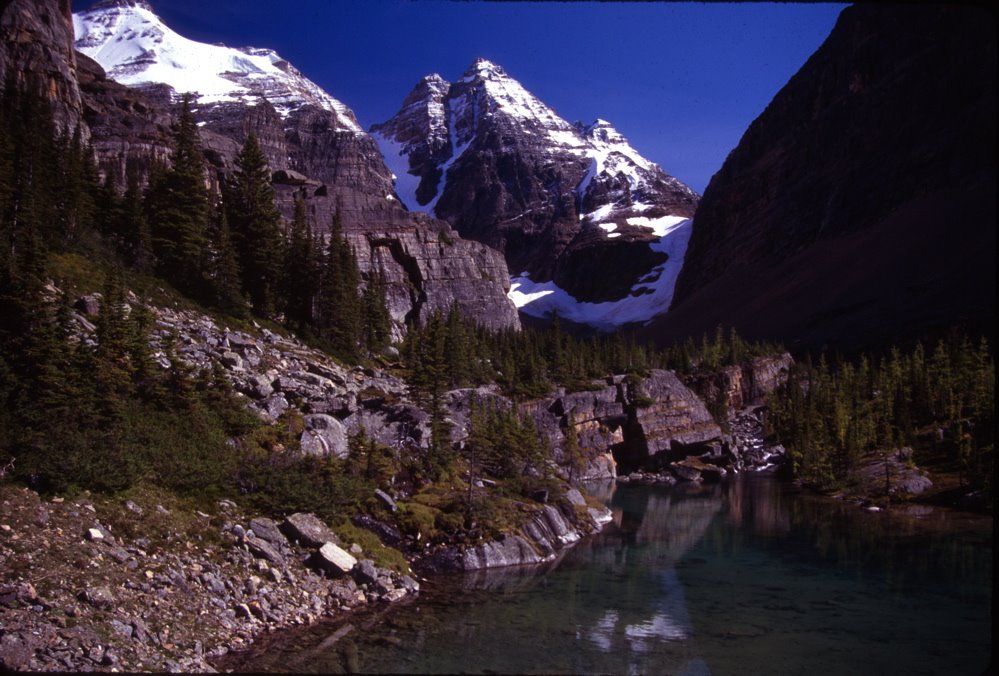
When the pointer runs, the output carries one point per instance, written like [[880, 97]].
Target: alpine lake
[[748, 577]]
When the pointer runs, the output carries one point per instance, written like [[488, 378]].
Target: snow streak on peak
[[135, 48], [507, 96]]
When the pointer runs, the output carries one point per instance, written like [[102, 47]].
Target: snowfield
[[649, 297], [135, 48]]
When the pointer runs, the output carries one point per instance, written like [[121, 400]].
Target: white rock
[[334, 560]]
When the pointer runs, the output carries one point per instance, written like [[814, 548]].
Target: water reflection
[[745, 577]]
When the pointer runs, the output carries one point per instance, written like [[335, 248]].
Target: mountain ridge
[[577, 211]]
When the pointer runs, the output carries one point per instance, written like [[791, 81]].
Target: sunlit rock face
[[314, 146]]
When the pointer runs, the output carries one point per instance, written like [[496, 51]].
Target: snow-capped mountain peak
[[135, 48], [598, 230], [497, 92]]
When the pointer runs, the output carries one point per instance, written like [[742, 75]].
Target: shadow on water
[[745, 577]]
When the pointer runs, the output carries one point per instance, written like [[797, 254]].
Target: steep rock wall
[[859, 207]]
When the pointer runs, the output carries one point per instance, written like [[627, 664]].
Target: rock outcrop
[[539, 540], [667, 419], [859, 208], [746, 384], [36, 54]]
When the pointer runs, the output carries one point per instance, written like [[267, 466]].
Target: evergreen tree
[[178, 210], [301, 272], [339, 307], [223, 269], [255, 225], [131, 227], [377, 328]]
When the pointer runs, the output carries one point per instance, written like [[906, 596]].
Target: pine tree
[[300, 272], [255, 225], [223, 268], [377, 321], [178, 209], [339, 307], [132, 227]]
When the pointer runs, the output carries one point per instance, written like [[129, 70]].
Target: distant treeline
[[941, 401]]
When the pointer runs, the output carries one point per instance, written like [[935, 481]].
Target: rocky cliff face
[[36, 52], [313, 143], [859, 208], [744, 385], [566, 203]]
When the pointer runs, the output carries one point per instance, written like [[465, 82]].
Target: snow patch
[[650, 297], [397, 161]]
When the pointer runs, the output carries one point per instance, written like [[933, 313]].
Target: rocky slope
[[570, 204], [859, 208], [95, 584], [316, 150]]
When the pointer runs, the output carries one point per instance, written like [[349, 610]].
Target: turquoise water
[[746, 578]]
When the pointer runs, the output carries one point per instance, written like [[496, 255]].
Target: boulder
[[512, 550], [575, 497], [307, 529], [685, 472], [267, 530], [259, 386], [264, 550], [324, 436], [365, 572], [89, 305], [387, 499], [332, 560]]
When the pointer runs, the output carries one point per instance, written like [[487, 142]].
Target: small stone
[[132, 507], [387, 499], [94, 535], [395, 595], [122, 628], [264, 550], [355, 549], [365, 572], [162, 510]]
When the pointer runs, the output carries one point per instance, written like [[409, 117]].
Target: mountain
[[595, 230], [137, 48], [134, 71], [859, 208]]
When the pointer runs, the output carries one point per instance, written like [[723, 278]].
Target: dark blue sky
[[681, 81]]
